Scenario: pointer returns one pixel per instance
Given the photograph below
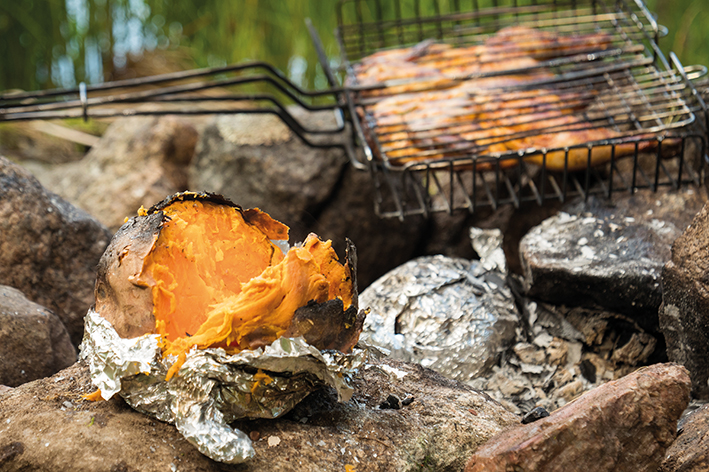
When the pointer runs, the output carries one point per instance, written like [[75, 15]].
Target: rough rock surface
[[684, 315], [256, 161], [48, 248], [45, 425], [690, 451], [608, 255], [33, 341], [139, 161], [624, 425]]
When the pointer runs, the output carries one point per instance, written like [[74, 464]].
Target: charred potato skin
[[121, 297], [194, 196], [327, 325]]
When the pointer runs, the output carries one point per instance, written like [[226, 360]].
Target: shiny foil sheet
[[449, 314], [213, 388]]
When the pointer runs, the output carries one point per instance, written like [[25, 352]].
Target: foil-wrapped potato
[[203, 315]]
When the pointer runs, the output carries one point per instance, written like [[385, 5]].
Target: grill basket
[[656, 115]]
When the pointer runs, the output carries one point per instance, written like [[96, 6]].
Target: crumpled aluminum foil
[[449, 314], [488, 244], [213, 388]]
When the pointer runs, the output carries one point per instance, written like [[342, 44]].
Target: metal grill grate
[[193, 92], [516, 101]]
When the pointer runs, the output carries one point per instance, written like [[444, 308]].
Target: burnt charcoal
[[637, 349], [391, 403], [684, 316], [535, 414], [565, 352], [609, 256], [588, 370]]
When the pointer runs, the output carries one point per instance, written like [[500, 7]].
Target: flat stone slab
[[46, 425], [608, 255]]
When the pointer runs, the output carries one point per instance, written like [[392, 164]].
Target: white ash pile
[[562, 353]]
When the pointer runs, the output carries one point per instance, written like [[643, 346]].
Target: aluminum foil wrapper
[[449, 314], [213, 388], [488, 244]]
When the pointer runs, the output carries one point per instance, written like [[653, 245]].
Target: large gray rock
[[608, 255], [48, 248], [684, 315], [45, 425], [622, 426], [33, 340], [138, 161]]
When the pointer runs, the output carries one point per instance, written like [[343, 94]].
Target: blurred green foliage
[[58, 43], [688, 25]]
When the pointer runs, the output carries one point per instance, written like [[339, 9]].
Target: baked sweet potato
[[202, 272]]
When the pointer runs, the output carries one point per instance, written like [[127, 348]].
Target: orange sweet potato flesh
[[217, 279]]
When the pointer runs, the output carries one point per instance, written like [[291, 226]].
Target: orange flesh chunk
[[218, 281], [202, 256], [93, 396]]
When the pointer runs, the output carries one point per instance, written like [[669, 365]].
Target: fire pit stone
[[46, 426], [684, 317], [49, 248], [625, 425], [690, 451], [33, 341], [608, 256]]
